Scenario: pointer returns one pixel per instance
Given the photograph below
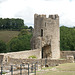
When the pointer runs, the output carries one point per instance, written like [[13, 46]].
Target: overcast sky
[[26, 9]]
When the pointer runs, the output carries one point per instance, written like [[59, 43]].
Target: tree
[[14, 24], [15, 45], [67, 38], [23, 32], [20, 43], [31, 28], [24, 27], [2, 47]]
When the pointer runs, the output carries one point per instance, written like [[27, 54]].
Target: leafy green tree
[[2, 47], [67, 38], [31, 28], [15, 45], [26, 27], [23, 32], [20, 43], [14, 24], [25, 41]]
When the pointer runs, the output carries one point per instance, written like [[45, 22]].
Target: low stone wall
[[25, 54], [49, 62], [64, 54], [20, 55], [1, 58]]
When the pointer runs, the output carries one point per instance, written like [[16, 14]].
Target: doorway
[[46, 51]]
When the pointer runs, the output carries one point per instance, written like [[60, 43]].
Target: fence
[[22, 69]]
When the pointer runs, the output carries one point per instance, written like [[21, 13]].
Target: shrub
[[33, 56], [19, 43], [2, 46]]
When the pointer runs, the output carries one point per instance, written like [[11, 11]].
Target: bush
[[23, 32], [33, 56], [15, 45], [2, 46], [20, 43]]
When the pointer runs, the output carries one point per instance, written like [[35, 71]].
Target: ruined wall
[[1, 57], [20, 55], [24, 54], [49, 62], [64, 54], [46, 33]]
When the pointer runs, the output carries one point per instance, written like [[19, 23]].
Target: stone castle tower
[[46, 36]]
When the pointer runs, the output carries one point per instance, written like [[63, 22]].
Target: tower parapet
[[53, 16], [41, 16], [44, 16]]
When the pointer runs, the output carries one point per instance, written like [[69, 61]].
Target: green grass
[[56, 73], [66, 67], [45, 68], [63, 69], [3, 72], [33, 56], [6, 36]]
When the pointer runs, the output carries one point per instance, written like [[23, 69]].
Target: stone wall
[[24, 54], [20, 55], [49, 62], [1, 58], [64, 54]]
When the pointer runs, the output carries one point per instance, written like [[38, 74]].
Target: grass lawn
[[6, 36], [56, 73], [66, 67], [63, 69]]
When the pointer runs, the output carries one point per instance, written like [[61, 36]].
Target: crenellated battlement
[[40, 16], [44, 16], [53, 16]]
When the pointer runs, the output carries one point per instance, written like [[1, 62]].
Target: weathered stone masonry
[[46, 36]]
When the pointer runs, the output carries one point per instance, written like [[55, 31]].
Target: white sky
[[26, 9]]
